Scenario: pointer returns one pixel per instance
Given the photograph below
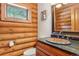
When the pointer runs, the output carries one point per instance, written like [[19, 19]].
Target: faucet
[[60, 33], [67, 38]]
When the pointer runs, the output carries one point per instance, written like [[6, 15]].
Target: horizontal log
[[35, 17], [34, 11], [34, 14], [17, 41], [25, 40], [15, 53], [16, 36], [12, 24], [3, 43], [33, 6], [16, 47], [16, 30], [34, 21]]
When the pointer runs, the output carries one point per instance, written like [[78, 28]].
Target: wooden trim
[[54, 18], [72, 19], [77, 19], [5, 18], [2, 11]]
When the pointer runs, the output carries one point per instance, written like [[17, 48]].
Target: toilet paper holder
[[11, 43]]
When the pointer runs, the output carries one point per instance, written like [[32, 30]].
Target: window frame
[[4, 16]]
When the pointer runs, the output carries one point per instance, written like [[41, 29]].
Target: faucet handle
[[60, 32], [68, 38]]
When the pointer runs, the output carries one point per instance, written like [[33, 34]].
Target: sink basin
[[59, 41]]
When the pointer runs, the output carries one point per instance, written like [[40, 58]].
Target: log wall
[[23, 34]]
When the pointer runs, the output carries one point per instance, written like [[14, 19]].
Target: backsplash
[[72, 35]]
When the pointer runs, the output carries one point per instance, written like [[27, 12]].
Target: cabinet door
[[47, 50], [40, 53], [77, 19]]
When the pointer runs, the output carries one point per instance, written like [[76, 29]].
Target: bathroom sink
[[58, 41]]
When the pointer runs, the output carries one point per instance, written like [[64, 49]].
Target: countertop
[[73, 47]]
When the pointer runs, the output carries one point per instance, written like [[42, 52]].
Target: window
[[14, 12]]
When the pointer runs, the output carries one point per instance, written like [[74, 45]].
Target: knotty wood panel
[[23, 34]]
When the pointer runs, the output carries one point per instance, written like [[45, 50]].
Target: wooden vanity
[[44, 49]]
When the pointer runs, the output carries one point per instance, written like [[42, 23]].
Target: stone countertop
[[73, 47]]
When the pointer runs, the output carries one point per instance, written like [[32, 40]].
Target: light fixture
[[65, 3], [58, 5]]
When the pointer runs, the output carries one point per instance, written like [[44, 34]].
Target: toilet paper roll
[[11, 43]]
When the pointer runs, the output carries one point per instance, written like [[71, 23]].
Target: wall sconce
[[65, 3], [58, 5]]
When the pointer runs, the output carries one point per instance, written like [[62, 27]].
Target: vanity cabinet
[[66, 18], [47, 50]]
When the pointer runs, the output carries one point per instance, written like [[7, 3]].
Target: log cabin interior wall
[[66, 19], [23, 34]]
